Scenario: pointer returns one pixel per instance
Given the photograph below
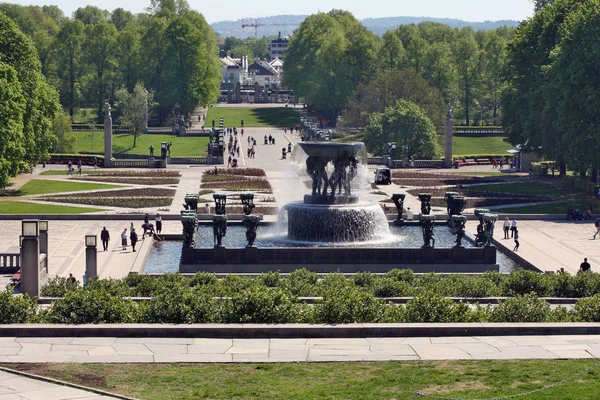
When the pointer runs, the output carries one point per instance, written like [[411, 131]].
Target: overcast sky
[[469, 10]]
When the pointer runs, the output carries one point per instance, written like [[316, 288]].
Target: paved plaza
[[199, 350]]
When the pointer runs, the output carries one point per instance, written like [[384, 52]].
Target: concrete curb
[[63, 383], [260, 331]]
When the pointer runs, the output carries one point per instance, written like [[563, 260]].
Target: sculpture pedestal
[[427, 255], [219, 252], [330, 200], [251, 254], [459, 254]]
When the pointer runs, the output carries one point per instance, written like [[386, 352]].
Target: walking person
[[79, 167], [104, 237], [124, 239], [134, 238], [516, 238], [158, 220], [513, 227], [597, 224], [70, 168], [506, 227]]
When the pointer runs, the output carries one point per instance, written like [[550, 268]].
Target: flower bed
[[138, 173], [246, 183], [129, 179], [127, 202], [141, 192]]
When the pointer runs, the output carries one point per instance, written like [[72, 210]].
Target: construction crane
[[256, 24]]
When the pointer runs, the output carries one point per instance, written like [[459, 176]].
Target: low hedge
[[395, 283], [261, 304]]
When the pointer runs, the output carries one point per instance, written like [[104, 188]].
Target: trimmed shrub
[[431, 307], [587, 310], [204, 279], [271, 279], [301, 282], [57, 286], [92, 306], [388, 287], [524, 282], [141, 285], [526, 308], [342, 305], [17, 309], [404, 275], [473, 286], [364, 279], [259, 305]]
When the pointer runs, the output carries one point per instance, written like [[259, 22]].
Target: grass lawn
[[464, 146], [21, 207], [42, 186], [491, 173], [253, 117], [358, 380], [123, 142], [537, 188]]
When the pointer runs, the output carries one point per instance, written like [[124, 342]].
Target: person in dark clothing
[[134, 238], [585, 266], [516, 238], [158, 220], [105, 237]]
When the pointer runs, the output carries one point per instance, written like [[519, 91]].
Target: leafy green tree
[[153, 52], [406, 124], [91, 15], [385, 90], [391, 52], [128, 49], [41, 100], [416, 51], [12, 108], [493, 65], [120, 18], [66, 139], [134, 109], [467, 59], [100, 45], [439, 72], [69, 42]]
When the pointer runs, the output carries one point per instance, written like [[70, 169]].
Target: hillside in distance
[[286, 24]]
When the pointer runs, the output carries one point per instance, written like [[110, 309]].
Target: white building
[[263, 73], [234, 70], [279, 46]]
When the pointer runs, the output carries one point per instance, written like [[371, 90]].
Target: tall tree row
[[551, 98], [464, 66], [170, 49]]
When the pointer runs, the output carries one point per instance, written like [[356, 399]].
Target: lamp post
[[30, 257], [91, 257]]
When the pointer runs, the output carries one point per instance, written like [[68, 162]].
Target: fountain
[[331, 213]]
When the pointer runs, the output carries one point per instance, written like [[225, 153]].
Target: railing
[[478, 131], [10, 263], [130, 163], [375, 160], [187, 160], [429, 163], [161, 131], [98, 127]]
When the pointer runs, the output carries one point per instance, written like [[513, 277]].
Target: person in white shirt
[[409, 214], [206, 208], [506, 227]]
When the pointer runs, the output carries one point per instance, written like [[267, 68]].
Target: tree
[[12, 108], [128, 49], [134, 109], [406, 125], [493, 64], [467, 59], [41, 100], [69, 41], [391, 52], [101, 39], [66, 139], [120, 18], [438, 70], [385, 90]]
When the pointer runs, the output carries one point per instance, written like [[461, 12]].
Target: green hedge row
[[395, 283], [340, 304], [581, 184]]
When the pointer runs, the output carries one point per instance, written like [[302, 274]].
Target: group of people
[[269, 139], [70, 168], [251, 145], [511, 226], [132, 235], [499, 163]]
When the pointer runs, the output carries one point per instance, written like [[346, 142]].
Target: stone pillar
[[448, 138], [107, 136], [44, 240], [30, 258], [91, 257]]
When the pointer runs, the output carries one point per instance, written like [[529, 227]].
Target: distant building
[[264, 74], [233, 71], [279, 46]]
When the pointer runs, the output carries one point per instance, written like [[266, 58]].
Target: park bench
[[483, 161], [470, 161], [16, 278]]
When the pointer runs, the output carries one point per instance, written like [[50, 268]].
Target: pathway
[[160, 350], [17, 387]]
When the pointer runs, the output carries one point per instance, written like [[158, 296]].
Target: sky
[[214, 11]]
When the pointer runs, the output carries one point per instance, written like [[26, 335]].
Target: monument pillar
[[107, 137], [30, 258], [448, 138], [43, 226]]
